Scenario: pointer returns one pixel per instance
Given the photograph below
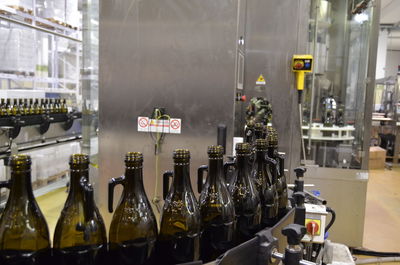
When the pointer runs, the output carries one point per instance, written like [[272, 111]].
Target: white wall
[[392, 63]]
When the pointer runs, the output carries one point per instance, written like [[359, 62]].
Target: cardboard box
[[377, 157]]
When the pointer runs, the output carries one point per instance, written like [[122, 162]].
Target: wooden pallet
[[61, 23], [44, 182], [23, 73]]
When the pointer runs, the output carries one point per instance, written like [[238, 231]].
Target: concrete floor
[[382, 219]]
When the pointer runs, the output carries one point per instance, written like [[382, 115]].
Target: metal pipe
[[313, 76], [38, 28], [378, 260], [280, 256]]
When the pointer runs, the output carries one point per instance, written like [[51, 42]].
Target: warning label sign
[[261, 80], [173, 125]]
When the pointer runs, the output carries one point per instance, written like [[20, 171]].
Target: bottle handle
[[88, 197], [200, 177], [5, 184], [166, 176], [111, 186], [90, 209], [228, 165]]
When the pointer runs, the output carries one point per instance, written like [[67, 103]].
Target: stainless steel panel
[[346, 192], [275, 31], [177, 54]]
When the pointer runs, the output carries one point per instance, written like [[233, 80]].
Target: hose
[[332, 212], [378, 260], [366, 252]]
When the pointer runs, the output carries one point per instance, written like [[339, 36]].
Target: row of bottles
[[80, 234], [24, 106], [228, 212]]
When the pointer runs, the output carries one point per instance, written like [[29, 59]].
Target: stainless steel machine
[[189, 60]]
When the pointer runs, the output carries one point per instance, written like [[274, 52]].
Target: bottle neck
[[181, 180], [75, 188], [243, 164], [271, 152], [133, 179], [216, 169], [21, 187]]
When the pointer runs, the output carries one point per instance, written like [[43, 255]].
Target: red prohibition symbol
[[143, 122], [175, 124]]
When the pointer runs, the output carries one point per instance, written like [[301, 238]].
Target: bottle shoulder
[[26, 228]]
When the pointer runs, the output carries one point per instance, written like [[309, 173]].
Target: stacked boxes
[[51, 162], [17, 51]]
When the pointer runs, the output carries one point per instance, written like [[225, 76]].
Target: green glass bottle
[[259, 131], [80, 235], [179, 238], [281, 184], [216, 208], [24, 235], [245, 196], [133, 230], [263, 176], [3, 106]]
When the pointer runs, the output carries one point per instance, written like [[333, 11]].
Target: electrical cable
[[367, 252], [333, 219], [158, 139], [378, 260]]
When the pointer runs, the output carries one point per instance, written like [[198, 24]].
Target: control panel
[[315, 223], [302, 63]]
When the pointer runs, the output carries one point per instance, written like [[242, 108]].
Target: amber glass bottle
[[216, 208], [133, 229], [24, 235], [80, 235], [245, 196], [179, 238]]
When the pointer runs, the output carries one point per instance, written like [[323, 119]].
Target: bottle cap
[[215, 151], [250, 124], [243, 149], [261, 145], [20, 162]]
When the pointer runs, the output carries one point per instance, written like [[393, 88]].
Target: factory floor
[[382, 217]]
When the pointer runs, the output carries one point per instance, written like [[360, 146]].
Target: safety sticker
[[261, 80], [172, 125]]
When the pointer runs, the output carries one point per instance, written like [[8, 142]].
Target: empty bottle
[[24, 235], [245, 196], [80, 235], [262, 176], [216, 208], [133, 229], [281, 184], [179, 238]]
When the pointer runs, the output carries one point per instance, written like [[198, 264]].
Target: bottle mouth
[[20, 160], [261, 144], [243, 149], [181, 155], [133, 157], [79, 159], [215, 151]]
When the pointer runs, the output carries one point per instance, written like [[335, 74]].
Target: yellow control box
[[302, 64]]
